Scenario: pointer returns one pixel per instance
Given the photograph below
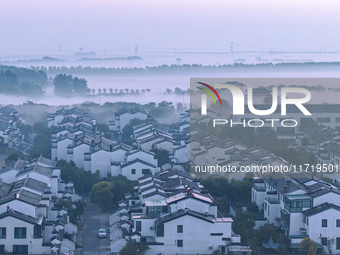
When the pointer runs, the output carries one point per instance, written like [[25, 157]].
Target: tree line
[[184, 68], [11, 84]]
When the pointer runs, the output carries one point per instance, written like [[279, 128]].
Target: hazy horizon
[[168, 26]]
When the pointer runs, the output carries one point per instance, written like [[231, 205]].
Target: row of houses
[[299, 204], [324, 143], [80, 142], [124, 115], [10, 135], [30, 222], [72, 116], [172, 214], [324, 114], [302, 206], [208, 150]]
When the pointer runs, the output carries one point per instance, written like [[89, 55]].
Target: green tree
[[304, 141], [41, 145], [244, 224], [26, 130], [8, 78], [134, 249], [263, 234], [74, 209], [161, 155], [41, 128], [30, 88], [307, 247], [127, 131], [252, 207], [101, 194], [240, 191], [223, 205], [168, 91], [79, 85], [63, 84], [83, 180], [14, 155]]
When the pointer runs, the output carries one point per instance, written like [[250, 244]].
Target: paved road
[[94, 220]]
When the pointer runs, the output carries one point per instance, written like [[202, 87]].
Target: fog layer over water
[[158, 84]]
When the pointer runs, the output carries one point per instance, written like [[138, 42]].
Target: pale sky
[[164, 24]]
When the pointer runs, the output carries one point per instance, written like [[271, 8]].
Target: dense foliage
[[68, 85], [134, 249], [83, 180], [10, 84], [75, 209], [37, 75], [307, 247], [107, 193]]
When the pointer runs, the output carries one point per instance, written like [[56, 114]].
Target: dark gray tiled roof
[[34, 184], [137, 160], [183, 212], [156, 192], [320, 208], [37, 168], [175, 182], [166, 174], [20, 216], [22, 195]]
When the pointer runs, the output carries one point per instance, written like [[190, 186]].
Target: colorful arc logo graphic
[[209, 93]]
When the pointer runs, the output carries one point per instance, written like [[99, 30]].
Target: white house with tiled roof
[[124, 115], [29, 222], [171, 215], [302, 206]]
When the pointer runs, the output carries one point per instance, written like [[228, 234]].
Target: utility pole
[[60, 46], [136, 48], [231, 47]]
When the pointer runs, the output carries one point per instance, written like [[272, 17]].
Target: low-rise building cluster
[[10, 135], [302, 206], [77, 139], [172, 214], [30, 222]]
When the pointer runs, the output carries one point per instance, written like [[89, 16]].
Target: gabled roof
[[137, 160], [39, 169], [175, 182], [320, 208], [13, 191], [157, 192], [35, 184], [131, 110], [140, 150], [323, 190], [153, 186], [169, 171], [206, 198], [20, 216], [183, 212], [134, 233]]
